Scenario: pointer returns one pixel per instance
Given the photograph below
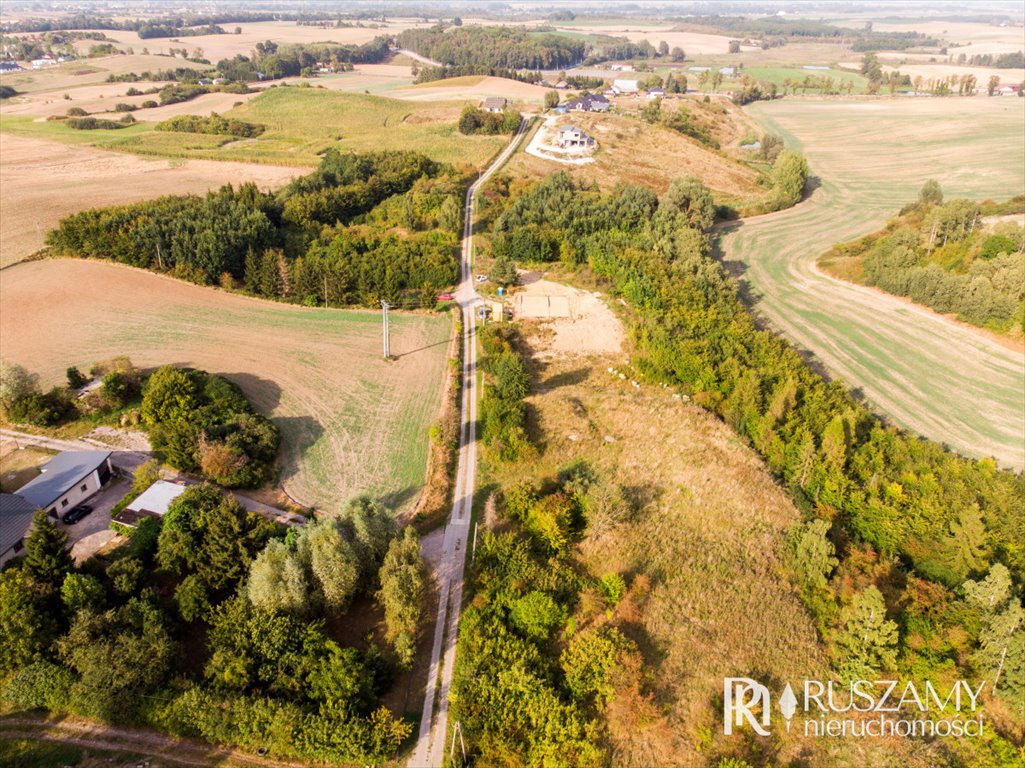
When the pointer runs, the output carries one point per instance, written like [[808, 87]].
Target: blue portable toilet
[[501, 291]]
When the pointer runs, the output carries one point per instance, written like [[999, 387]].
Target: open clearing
[[631, 151], [702, 557], [576, 322], [928, 374], [351, 422], [42, 181]]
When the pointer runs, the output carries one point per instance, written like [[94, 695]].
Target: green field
[[301, 124], [945, 381], [778, 74]]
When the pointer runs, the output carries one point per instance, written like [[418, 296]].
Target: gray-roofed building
[[495, 103], [589, 102], [15, 520], [153, 502], [571, 137], [68, 479]]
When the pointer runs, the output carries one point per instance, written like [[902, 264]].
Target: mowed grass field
[[942, 380], [351, 422], [301, 124]]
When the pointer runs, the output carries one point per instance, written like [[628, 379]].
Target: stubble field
[[351, 422], [43, 181], [928, 374]]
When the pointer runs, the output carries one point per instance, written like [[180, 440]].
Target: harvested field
[[474, 88], [351, 422], [932, 376], [42, 181], [86, 72], [102, 98]]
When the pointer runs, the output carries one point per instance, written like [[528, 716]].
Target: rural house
[[153, 502], [495, 103], [588, 103], [571, 137], [15, 520], [68, 479]]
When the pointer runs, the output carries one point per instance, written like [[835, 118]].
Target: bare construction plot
[[926, 373]]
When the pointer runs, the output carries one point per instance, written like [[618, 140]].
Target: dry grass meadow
[[43, 181], [709, 595], [351, 422], [868, 158], [631, 151]]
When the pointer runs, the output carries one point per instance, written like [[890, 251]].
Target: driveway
[[92, 533]]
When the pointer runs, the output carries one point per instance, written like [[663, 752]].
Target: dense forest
[[945, 255], [487, 48], [215, 623], [359, 229], [909, 558]]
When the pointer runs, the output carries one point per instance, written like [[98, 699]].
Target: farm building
[[153, 502], [68, 479], [656, 93], [494, 103], [9, 66], [588, 103], [626, 84], [15, 520], [571, 137], [1006, 89]]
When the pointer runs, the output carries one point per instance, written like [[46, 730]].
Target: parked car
[[482, 278], [75, 514], [445, 297]]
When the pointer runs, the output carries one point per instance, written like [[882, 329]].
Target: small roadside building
[[15, 522], [68, 479], [571, 137], [494, 104], [153, 502]]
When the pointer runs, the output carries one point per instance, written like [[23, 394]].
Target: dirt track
[[933, 376], [41, 182]]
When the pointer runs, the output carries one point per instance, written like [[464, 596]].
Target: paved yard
[[92, 533]]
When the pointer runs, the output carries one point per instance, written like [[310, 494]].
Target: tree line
[[212, 623], [887, 511], [212, 124], [941, 254], [358, 229], [272, 61]]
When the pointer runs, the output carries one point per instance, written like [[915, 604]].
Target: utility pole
[[384, 316]]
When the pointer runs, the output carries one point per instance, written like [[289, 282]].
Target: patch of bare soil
[[574, 322]]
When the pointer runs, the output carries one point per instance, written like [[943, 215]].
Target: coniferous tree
[[47, 559]]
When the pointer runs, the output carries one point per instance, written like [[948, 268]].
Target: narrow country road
[[430, 746], [416, 56]]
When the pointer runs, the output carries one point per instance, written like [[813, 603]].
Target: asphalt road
[[430, 745]]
